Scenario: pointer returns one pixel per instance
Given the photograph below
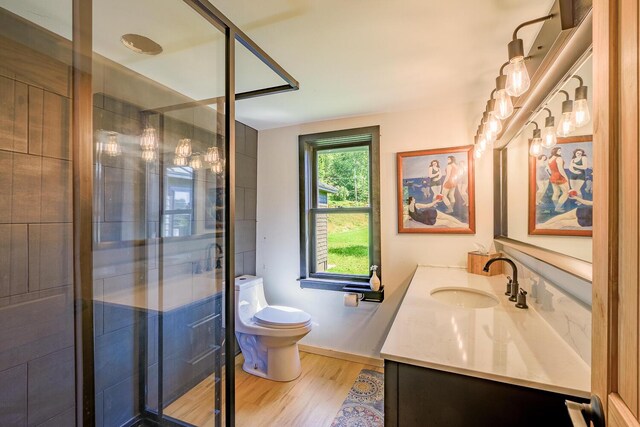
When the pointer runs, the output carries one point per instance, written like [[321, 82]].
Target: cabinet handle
[[203, 356], [585, 414], [203, 321]]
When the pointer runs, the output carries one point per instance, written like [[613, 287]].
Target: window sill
[[351, 286]]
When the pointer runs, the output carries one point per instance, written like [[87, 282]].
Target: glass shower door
[[158, 214]]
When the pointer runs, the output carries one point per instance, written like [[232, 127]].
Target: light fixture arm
[[549, 121], [579, 79], [565, 94], [527, 23], [548, 111]]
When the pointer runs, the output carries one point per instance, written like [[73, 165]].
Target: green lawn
[[349, 244]]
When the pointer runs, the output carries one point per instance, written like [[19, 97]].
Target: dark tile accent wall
[[246, 184], [36, 298]]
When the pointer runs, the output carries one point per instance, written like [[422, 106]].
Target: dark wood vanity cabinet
[[422, 397]]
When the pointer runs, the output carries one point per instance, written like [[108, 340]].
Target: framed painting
[[436, 192], [561, 189]]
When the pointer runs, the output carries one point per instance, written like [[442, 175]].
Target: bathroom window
[[178, 209], [339, 207]]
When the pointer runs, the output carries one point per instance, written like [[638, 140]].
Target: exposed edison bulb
[[112, 147], [180, 161], [196, 162], [489, 136], [493, 123], [149, 139], [217, 167], [549, 139], [566, 125], [184, 148], [517, 77], [504, 105], [535, 149], [581, 112], [212, 155], [148, 155], [482, 142], [477, 152]]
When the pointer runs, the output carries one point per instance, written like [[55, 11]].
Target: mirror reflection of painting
[[435, 191], [561, 189]]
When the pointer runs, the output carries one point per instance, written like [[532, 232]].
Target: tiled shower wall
[[36, 296], [246, 184]]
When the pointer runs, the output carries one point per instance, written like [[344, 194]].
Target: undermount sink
[[464, 297]]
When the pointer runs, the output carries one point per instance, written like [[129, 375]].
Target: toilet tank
[[249, 297]]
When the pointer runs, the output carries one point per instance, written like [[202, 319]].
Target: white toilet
[[268, 334]]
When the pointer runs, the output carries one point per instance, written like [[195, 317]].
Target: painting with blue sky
[[561, 188], [435, 191]]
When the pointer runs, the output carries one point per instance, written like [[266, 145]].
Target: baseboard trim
[[358, 358]]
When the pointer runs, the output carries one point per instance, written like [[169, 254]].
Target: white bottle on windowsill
[[374, 281]]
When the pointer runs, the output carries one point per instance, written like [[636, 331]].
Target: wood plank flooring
[[312, 400]]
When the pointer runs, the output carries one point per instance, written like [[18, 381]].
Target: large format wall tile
[[13, 115], [51, 387], [13, 396], [56, 200], [56, 126], [13, 259], [34, 329], [6, 178], [251, 142], [246, 171], [26, 188], [50, 255]]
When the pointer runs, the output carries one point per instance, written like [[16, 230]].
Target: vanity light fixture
[[212, 155], [567, 124], [196, 162], [149, 139], [149, 155], [581, 104], [183, 149], [535, 147], [488, 133], [218, 167], [482, 138], [549, 139], [494, 124], [503, 105], [477, 150], [179, 161], [518, 80], [112, 146]]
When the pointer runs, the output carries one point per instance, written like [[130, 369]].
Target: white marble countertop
[[501, 343]]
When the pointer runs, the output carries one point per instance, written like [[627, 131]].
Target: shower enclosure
[[117, 209]]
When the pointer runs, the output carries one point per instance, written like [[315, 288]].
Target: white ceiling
[[357, 57], [351, 57]]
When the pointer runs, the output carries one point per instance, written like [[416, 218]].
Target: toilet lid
[[277, 315]]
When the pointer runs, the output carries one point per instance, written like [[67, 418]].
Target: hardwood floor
[[312, 400]]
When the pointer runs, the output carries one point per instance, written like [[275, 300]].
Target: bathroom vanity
[[460, 358]]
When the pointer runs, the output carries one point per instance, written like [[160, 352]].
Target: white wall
[[361, 330]]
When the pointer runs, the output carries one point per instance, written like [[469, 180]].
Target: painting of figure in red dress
[[435, 191], [561, 188]]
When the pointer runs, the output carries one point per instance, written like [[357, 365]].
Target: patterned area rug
[[364, 406]]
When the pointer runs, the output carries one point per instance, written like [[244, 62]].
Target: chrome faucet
[[209, 261], [513, 293]]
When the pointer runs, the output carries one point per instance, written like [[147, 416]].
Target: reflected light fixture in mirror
[[149, 139], [218, 167], [212, 155], [184, 148], [196, 162], [567, 124], [149, 155], [535, 147], [549, 139], [112, 146], [180, 161]]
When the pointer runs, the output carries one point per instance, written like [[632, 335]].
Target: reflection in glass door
[[158, 214]]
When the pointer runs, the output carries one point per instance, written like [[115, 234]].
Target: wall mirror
[[548, 178]]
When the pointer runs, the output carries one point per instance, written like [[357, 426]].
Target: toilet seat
[[280, 317]]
